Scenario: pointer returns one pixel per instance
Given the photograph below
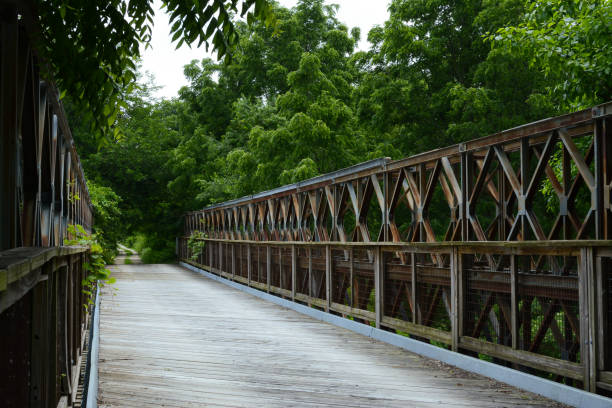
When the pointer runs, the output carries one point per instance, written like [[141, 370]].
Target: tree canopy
[[297, 99], [105, 37]]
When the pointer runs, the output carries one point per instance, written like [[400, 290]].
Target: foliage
[[196, 244], [431, 79], [218, 141], [156, 254], [96, 266], [153, 249], [292, 106], [107, 219], [137, 242], [105, 38], [569, 41]]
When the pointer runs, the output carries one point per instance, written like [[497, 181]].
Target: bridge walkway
[[170, 337]]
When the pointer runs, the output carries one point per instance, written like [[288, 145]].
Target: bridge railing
[[43, 310], [43, 321], [496, 247], [42, 184], [545, 308], [547, 180]]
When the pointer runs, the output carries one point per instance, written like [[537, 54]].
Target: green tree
[[432, 80], [569, 42], [291, 106], [107, 219], [138, 167], [105, 38], [310, 126]]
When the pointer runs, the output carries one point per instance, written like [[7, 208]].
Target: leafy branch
[[96, 267], [196, 244], [105, 38]]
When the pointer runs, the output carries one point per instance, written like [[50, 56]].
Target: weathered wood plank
[[418, 330], [19, 262], [172, 338], [537, 361]]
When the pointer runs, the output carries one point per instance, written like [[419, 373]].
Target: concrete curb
[[92, 386], [549, 389]]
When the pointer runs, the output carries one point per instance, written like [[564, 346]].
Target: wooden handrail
[[500, 299]]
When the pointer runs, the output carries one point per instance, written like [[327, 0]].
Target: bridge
[[171, 337], [478, 274], [463, 247]]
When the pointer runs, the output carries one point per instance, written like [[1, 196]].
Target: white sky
[[166, 63]]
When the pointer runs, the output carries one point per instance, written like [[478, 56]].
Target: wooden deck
[[173, 338]]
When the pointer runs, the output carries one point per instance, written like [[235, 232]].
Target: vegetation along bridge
[[435, 280]]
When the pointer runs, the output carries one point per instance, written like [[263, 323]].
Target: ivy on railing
[[95, 267], [196, 244]]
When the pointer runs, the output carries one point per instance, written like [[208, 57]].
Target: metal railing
[[496, 247], [547, 180], [43, 310], [43, 317], [42, 185]]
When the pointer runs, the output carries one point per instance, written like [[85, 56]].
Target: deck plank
[[170, 337]]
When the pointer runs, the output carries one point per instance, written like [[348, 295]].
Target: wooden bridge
[[173, 338], [494, 255]]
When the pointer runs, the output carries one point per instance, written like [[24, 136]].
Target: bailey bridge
[[478, 274]]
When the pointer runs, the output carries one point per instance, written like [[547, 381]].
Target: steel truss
[[497, 246]]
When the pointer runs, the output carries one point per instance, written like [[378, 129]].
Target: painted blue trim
[[549, 389]]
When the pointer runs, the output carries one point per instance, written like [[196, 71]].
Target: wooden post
[[268, 266], [280, 267], [606, 137], [249, 267], [51, 357], [414, 286], [209, 262], [455, 283], [258, 269], [379, 285], [309, 272], [592, 312], [586, 291], [600, 297], [352, 267], [62, 328], [514, 329], [220, 259], [293, 271], [73, 307], [465, 179], [38, 354], [385, 210], [233, 261], [328, 278], [463, 263], [598, 132]]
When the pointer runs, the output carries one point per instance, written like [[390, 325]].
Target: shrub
[[96, 267], [196, 244]]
